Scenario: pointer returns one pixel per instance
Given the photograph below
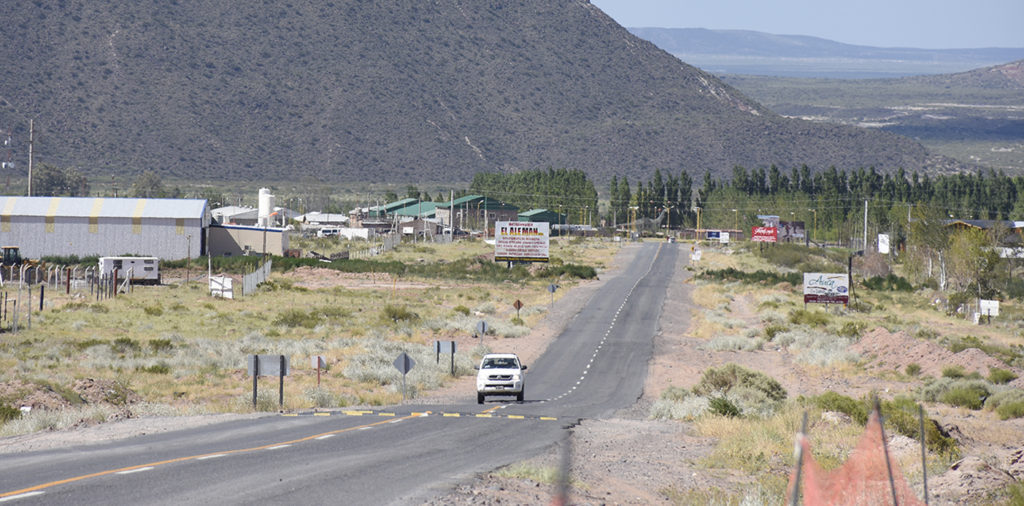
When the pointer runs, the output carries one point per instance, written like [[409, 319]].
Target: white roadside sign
[[521, 241]]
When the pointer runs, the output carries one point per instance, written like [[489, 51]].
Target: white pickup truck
[[500, 374]]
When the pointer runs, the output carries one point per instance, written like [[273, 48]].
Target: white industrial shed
[[170, 229]]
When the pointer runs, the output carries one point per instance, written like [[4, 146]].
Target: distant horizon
[[816, 37], [912, 24]]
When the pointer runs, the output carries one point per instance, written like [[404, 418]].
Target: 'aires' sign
[[764, 234], [826, 288], [521, 241]]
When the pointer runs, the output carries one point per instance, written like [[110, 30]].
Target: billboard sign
[[714, 234], [764, 234], [790, 231], [826, 288], [724, 238], [521, 241]]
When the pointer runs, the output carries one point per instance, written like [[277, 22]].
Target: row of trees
[[915, 211], [561, 190]]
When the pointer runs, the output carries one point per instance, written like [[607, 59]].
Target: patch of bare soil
[[315, 277], [884, 350]]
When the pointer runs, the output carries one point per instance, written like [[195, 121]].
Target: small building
[[1014, 229], [475, 212], [235, 215], [417, 210], [235, 240], [420, 228], [318, 219], [536, 215], [170, 229]]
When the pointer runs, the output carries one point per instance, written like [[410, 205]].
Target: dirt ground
[[630, 459]]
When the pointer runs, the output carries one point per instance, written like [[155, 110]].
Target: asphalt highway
[[395, 455]]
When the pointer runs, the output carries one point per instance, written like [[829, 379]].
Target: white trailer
[[143, 269]]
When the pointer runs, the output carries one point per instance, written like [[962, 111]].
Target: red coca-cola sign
[[764, 234]]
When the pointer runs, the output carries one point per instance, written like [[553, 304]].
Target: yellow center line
[[488, 410], [192, 457]]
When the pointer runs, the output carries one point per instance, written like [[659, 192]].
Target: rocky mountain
[[387, 91]]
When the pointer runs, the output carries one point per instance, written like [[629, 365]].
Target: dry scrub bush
[[52, 420], [817, 347], [733, 343]]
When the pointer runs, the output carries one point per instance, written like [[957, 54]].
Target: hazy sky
[[931, 24]]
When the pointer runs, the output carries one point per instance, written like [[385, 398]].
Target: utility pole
[[31, 137], [865, 249]]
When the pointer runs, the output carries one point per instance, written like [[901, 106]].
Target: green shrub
[[852, 329], [125, 345], [461, 309], [89, 343], [807, 317], [1007, 403], [295, 318], [1005, 354], [890, 283], [675, 393], [157, 368], [723, 406], [913, 369], [902, 415], [717, 380], [1010, 410], [517, 321], [153, 310], [953, 372], [9, 413], [831, 401], [770, 331], [999, 376], [570, 270], [395, 314], [970, 397], [160, 345], [758, 277]]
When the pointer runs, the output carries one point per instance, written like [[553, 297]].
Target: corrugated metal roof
[[418, 209], [532, 212], [459, 201], [391, 206], [102, 207]]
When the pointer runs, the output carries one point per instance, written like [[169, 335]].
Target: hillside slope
[[383, 91]]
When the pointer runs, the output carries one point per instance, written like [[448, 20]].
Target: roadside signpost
[[518, 304], [445, 347], [481, 328], [404, 363], [318, 363], [268, 365], [551, 288]]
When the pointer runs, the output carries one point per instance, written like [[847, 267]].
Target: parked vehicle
[[500, 374], [143, 269]]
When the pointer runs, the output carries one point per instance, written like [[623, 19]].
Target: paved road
[[400, 455]]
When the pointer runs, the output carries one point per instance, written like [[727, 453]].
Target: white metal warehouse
[[170, 229]]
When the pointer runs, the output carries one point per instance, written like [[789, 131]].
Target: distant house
[[536, 215], [417, 210], [475, 212], [380, 217], [1014, 227], [235, 215], [317, 219]]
